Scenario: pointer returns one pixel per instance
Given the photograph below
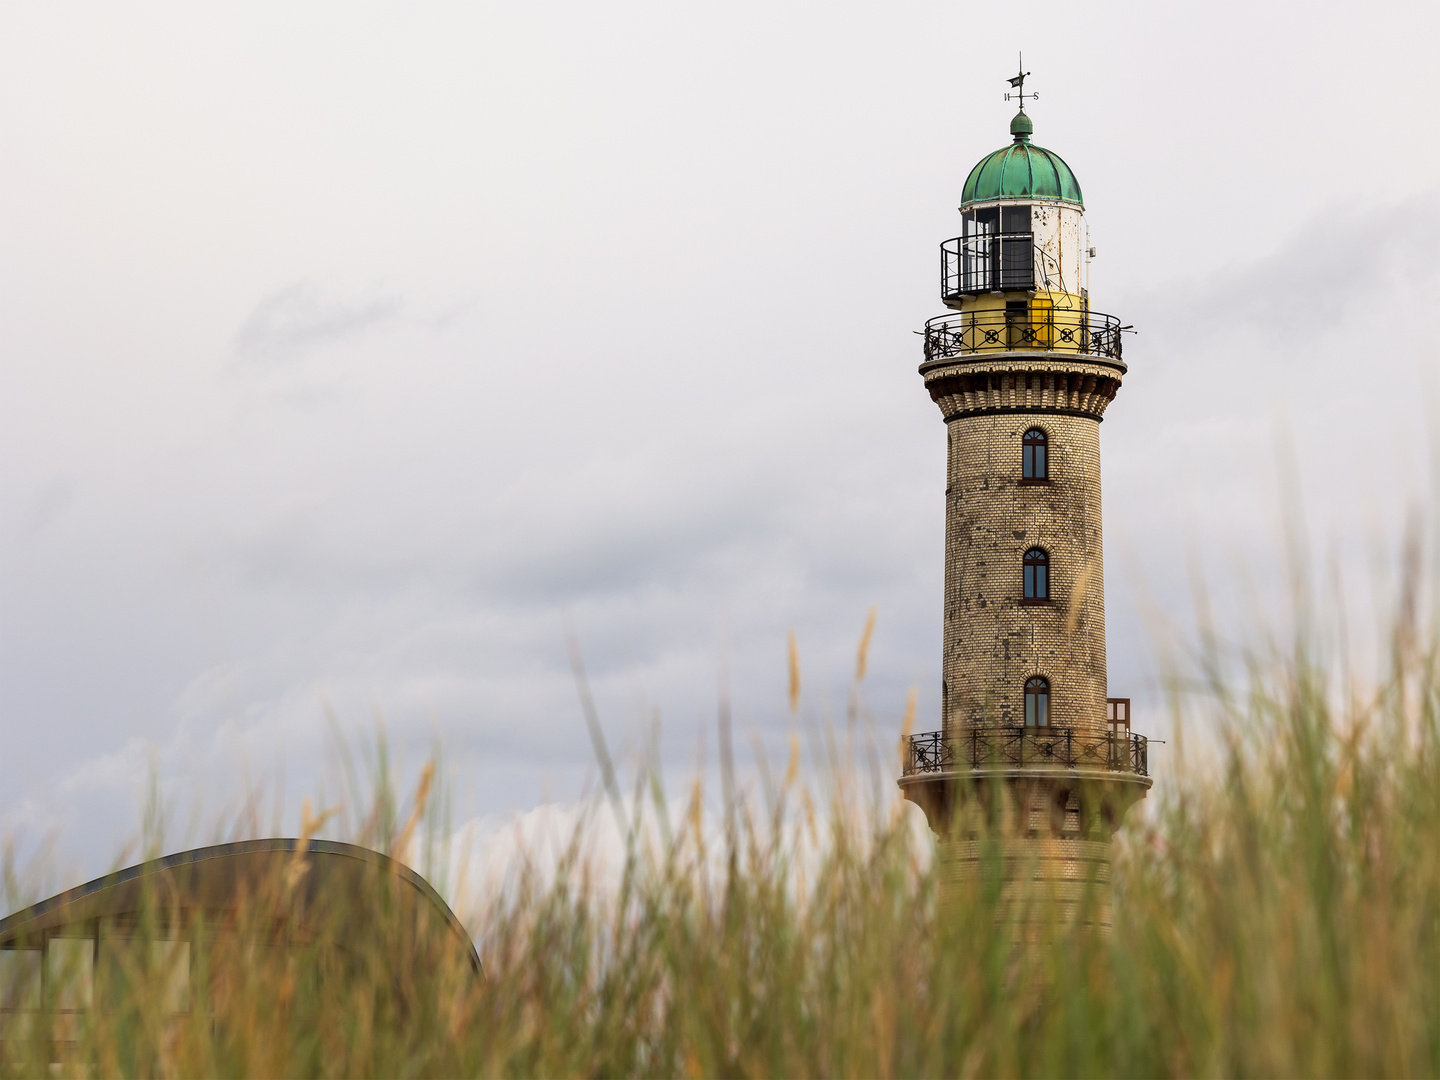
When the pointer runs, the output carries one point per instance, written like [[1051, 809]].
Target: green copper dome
[[1021, 171]]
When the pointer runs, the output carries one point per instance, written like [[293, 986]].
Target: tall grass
[[1276, 913]]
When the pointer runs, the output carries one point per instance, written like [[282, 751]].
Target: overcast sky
[[348, 350]]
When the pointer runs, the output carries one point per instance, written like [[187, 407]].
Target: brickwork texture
[[993, 642]]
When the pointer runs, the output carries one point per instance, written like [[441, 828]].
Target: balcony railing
[[1019, 747], [1039, 328], [986, 262]]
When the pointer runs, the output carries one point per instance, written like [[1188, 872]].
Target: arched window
[[1037, 574], [1037, 702], [1036, 465]]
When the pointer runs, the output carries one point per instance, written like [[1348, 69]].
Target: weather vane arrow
[[1019, 83]]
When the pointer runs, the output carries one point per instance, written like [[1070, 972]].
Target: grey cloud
[[1311, 348], [301, 316], [1340, 260]]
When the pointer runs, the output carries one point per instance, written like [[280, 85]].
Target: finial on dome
[[1021, 127]]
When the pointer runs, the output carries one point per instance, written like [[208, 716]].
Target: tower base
[[1040, 883], [1035, 840]]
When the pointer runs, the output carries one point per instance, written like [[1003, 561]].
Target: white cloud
[[489, 858]]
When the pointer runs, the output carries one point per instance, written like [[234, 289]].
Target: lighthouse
[[1031, 746]]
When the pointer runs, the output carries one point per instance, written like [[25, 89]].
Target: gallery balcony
[[1006, 748], [1037, 328]]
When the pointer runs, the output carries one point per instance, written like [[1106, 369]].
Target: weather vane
[[1019, 83]]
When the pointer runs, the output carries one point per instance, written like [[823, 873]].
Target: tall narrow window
[[1037, 702], [980, 266], [1117, 715], [1036, 463], [1017, 248], [1037, 574]]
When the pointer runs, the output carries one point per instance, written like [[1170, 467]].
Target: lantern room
[[1022, 229]]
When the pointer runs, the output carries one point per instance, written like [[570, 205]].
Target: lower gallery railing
[[1017, 747], [1043, 329]]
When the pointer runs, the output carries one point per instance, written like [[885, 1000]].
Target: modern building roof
[[213, 878], [1021, 171]]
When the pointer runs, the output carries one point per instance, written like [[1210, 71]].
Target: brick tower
[[1023, 372]]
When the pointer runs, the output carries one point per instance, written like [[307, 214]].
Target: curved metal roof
[[1021, 171], [213, 877]]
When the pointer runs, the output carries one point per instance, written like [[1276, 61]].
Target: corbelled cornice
[[1022, 383]]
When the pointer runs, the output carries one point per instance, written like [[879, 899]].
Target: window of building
[[1037, 574], [1117, 715], [1037, 702], [70, 972], [1035, 458], [1015, 219], [997, 251], [19, 980], [1017, 248], [983, 222]]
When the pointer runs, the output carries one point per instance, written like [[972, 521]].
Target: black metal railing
[[1018, 747], [986, 262], [1039, 328]]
